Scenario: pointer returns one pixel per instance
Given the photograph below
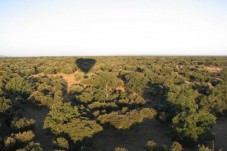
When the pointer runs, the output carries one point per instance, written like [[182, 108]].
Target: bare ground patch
[[213, 69], [220, 131], [69, 78], [134, 139]]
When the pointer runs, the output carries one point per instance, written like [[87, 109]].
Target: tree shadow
[[85, 64]]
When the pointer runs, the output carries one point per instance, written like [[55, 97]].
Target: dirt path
[[39, 114]]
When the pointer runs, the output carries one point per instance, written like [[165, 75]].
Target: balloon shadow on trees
[[85, 64]]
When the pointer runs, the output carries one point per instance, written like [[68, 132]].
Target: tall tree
[[66, 119], [106, 82]]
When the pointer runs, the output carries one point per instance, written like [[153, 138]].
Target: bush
[[135, 82], [61, 142], [85, 97], [203, 148], [66, 119], [120, 149], [9, 142], [18, 85], [32, 146], [126, 120], [140, 100], [24, 136], [151, 145], [5, 104], [22, 124], [176, 147], [77, 88]]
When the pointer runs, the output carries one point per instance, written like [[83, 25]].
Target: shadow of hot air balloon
[[85, 64]]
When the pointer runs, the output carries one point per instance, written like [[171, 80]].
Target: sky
[[113, 27]]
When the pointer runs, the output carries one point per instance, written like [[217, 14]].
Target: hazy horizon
[[113, 28]]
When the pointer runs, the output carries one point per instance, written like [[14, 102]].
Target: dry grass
[[122, 88], [69, 78], [213, 69]]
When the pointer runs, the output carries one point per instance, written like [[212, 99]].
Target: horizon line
[[121, 55]]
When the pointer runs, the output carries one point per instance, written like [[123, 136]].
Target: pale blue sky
[[113, 27]]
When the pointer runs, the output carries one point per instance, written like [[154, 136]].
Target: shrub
[[66, 119], [19, 85], [24, 136], [135, 82], [22, 124], [61, 143], [5, 104], [151, 145], [126, 120], [85, 97], [120, 149], [32, 146], [176, 147], [77, 88], [140, 100], [9, 142], [203, 148]]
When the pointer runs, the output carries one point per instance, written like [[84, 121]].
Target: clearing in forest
[[69, 78]]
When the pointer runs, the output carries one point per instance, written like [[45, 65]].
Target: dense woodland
[[84, 97]]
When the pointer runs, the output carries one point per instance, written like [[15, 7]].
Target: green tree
[[64, 118], [106, 82], [192, 127], [19, 86], [135, 82]]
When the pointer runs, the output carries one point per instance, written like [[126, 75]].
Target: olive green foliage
[[48, 91], [176, 147], [66, 119], [22, 124], [77, 88], [216, 102], [85, 97], [183, 97], [136, 82], [61, 142], [125, 121], [193, 126], [5, 104], [15, 140], [97, 105], [203, 148], [106, 82], [187, 94], [19, 85], [24, 136], [120, 149], [153, 146], [31, 146]]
